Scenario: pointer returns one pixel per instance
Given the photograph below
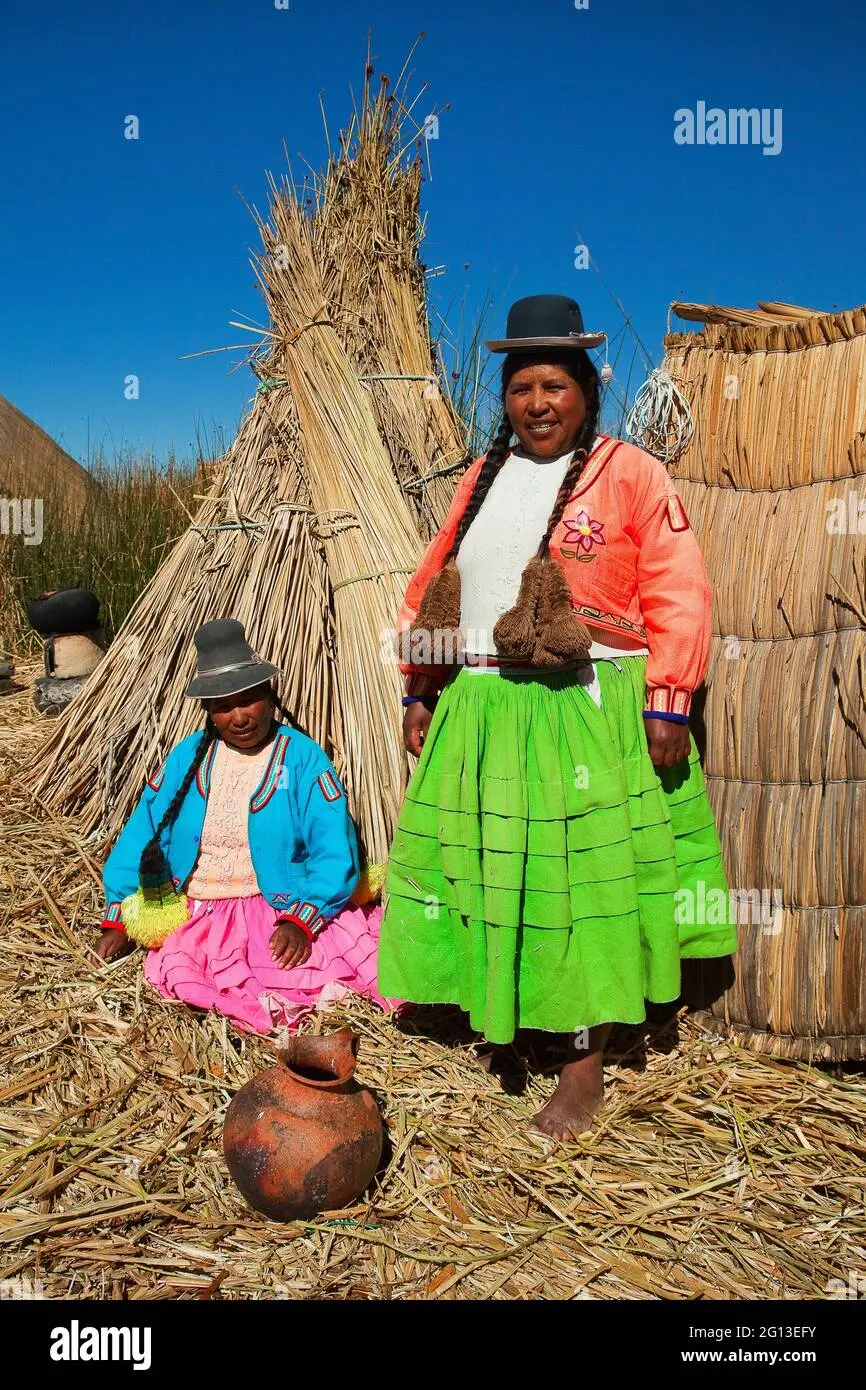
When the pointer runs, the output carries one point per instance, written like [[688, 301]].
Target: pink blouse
[[224, 868]]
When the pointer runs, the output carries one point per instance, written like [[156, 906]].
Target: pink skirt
[[220, 959]]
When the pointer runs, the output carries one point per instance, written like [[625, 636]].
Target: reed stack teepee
[[774, 483], [311, 527], [368, 233]]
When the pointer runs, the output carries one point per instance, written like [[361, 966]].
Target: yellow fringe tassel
[[151, 921], [369, 889]]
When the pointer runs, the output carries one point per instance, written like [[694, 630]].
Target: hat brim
[[230, 682], [574, 340]]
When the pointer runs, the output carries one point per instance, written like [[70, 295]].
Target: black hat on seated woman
[[227, 663]]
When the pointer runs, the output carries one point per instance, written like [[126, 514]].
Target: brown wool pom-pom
[[560, 635], [435, 634], [560, 644], [514, 633]]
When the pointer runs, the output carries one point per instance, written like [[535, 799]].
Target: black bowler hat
[[227, 663], [545, 320]]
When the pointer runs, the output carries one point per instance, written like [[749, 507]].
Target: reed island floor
[[712, 1172]]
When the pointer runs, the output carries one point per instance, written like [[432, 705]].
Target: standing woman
[[556, 848]]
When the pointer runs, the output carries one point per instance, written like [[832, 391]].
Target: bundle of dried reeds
[[367, 239], [772, 413], [360, 516], [247, 553], [310, 529], [772, 482]]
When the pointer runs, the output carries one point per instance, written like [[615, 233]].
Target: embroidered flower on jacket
[[584, 532]]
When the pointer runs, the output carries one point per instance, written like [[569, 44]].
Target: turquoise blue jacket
[[302, 840]]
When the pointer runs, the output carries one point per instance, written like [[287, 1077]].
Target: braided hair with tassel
[[154, 871]]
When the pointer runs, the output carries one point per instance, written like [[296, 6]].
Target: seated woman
[[238, 863]]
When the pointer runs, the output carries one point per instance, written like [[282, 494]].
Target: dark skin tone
[[244, 721], [546, 408], [112, 945]]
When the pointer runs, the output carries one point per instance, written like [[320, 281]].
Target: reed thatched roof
[[30, 459], [772, 481]]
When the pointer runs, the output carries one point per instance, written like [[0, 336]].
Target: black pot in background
[[65, 610]]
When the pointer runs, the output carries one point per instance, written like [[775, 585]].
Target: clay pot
[[304, 1137]]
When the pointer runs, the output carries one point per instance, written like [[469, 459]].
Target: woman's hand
[[668, 743], [113, 944], [416, 722], [289, 946]]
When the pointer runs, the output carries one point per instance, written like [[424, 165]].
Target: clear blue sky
[[120, 256]]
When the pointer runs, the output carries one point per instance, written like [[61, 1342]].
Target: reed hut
[[773, 482], [319, 511], [32, 465]]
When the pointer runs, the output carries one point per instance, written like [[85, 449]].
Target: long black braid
[[496, 456], [580, 368], [152, 860], [287, 714]]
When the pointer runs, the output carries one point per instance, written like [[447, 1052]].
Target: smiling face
[[243, 720], [546, 407]]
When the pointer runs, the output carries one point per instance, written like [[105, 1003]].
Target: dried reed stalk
[[711, 1173], [779, 452], [367, 241]]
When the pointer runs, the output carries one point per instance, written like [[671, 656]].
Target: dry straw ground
[[713, 1172]]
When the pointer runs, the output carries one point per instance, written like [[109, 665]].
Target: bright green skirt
[[543, 874]]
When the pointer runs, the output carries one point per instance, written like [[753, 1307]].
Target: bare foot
[[579, 1095], [570, 1109]]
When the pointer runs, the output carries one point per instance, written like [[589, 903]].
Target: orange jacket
[[632, 563]]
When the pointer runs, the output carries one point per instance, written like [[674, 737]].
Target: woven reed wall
[[780, 411], [32, 465]]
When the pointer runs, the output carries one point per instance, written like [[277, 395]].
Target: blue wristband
[[662, 714], [411, 699]]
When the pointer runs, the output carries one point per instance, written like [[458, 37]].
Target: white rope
[[660, 420]]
